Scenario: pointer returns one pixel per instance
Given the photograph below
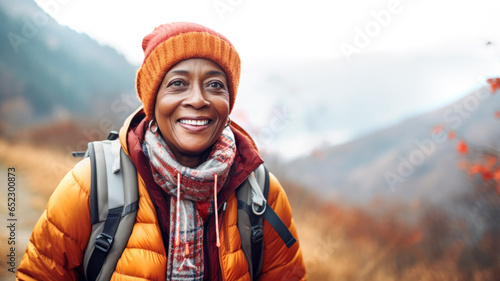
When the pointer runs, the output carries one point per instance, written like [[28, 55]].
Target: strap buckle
[[103, 242], [257, 234], [259, 210]]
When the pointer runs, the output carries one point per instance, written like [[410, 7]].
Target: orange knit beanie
[[169, 44]]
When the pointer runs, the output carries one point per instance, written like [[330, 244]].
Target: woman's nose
[[197, 98]]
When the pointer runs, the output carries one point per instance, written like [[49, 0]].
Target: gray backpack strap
[[249, 224], [252, 210], [113, 208]]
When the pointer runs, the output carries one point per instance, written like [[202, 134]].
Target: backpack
[[114, 203]]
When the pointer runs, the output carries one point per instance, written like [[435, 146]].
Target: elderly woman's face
[[192, 108]]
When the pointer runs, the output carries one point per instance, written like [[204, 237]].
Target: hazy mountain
[[406, 161], [49, 71]]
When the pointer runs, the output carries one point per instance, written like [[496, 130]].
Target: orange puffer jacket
[[60, 237]]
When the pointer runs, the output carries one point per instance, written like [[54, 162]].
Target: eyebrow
[[185, 72], [216, 72]]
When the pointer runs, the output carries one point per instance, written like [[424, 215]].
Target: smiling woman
[[192, 166]]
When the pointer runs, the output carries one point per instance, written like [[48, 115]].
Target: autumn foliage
[[392, 241], [481, 161], [494, 84]]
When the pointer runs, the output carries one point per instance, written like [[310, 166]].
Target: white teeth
[[194, 122]]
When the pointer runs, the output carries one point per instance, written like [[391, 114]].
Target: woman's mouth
[[194, 125], [194, 122]]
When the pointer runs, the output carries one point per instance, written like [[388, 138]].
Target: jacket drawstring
[[177, 215], [216, 211]]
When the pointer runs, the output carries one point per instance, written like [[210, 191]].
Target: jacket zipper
[[225, 240]]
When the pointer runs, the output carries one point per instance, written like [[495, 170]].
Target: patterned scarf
[[185, 253]]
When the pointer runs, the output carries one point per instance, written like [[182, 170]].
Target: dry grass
[[336, 249], [43, 167], [38, 172], [379, 242]]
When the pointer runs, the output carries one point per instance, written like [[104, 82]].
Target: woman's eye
[[217, 85], [176, 83]]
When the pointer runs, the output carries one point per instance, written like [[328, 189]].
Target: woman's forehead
[[196, 64]]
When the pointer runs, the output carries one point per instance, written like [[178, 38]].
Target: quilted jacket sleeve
[[280, 262], [59, 239]]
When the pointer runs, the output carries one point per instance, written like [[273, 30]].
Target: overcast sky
[[293, 29]]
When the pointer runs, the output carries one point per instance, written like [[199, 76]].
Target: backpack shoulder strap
[[252, 209], [113, 207], [249, 224], [268, 213]]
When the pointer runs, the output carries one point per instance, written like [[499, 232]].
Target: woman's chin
[[194, 149]]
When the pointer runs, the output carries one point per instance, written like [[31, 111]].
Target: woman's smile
[[194, 124]]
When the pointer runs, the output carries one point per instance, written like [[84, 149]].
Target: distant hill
[[50, 72], [406, 161]]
